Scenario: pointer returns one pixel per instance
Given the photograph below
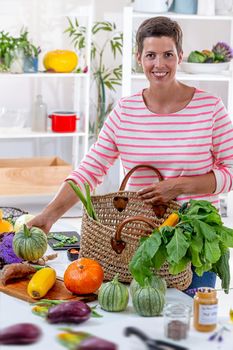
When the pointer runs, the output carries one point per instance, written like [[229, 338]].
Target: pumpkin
[[60, 61], [41, 282], [5, 226], [30, 244], [113, 295], [148, 301], [83, 276], [21, 220], [155, 282]]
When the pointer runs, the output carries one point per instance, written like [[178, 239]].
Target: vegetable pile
[[221, 52], [200, 238]]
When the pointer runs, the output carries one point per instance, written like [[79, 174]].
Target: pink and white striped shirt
[[192, 141]]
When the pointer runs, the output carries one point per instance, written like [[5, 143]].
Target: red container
[[63, 121]]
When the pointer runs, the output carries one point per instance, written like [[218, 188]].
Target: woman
[[182, 131]]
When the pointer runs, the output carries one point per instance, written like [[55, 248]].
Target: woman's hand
[[161, 192], [42, 221]]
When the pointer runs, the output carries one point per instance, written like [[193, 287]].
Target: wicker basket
[[121, 210]]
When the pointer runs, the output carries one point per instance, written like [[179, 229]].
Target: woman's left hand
[[161, 192]]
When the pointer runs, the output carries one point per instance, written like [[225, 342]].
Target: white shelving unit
[[79, 85], [129, 78]]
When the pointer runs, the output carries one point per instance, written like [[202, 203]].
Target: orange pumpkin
[[83, 276]]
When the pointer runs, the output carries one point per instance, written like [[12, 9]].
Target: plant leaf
[[177, 247]]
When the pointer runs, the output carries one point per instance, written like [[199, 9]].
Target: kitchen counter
[[111, 325]]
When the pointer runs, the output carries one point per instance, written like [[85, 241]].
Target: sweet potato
[[16, 271]]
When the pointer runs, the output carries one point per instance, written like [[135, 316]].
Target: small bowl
[[73, 253]]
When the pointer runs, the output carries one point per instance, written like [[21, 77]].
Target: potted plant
[[18, 54], [104, 76], [30, 52]]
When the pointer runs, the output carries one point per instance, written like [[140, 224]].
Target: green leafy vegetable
[[199, 238]]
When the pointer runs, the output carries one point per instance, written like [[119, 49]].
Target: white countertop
[[110, 326]]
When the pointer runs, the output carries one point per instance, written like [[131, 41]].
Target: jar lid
[[206, 292]]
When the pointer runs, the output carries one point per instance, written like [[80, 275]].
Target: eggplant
[[69, 312], [96, 343], [20, 334]]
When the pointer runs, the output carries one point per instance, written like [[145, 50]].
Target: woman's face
[[159, 59]]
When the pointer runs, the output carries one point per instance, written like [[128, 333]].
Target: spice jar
[[205, 309], [176, 321]]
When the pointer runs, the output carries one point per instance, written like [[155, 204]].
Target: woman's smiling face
[[159, 59]]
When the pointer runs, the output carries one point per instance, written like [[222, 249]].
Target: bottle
[[205, 309], [39, 115], [176, 321]]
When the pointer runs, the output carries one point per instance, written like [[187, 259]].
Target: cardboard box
[[26, 176]]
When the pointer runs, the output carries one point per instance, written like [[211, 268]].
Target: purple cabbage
[[7, 253]]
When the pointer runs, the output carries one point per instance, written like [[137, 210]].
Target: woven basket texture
[[96, 236]]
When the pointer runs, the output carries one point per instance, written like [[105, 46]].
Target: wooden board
[[58, 292]]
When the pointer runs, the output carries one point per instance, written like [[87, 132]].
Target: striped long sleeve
[[192, 141]]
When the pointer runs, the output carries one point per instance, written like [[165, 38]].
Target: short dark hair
[[157, 27]]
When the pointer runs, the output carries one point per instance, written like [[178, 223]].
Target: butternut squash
[[41, 282]]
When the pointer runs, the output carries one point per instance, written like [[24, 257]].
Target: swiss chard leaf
[[203, 229], [222, 269], [212, 251], [205, 267], [226, 235], [141, 263], [160, 257], [175, 268], [177, 247]]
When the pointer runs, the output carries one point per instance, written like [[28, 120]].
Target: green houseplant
[[105, 77], [11, 48]]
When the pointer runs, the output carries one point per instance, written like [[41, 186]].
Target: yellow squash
[[41, 282], [5, 226], [60, 61], [172, 220]]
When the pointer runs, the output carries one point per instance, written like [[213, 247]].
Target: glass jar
[[205, 309], [176, 321]]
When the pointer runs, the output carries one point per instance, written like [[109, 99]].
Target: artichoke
[[223, 52]]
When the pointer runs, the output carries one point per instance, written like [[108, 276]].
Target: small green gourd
[[30, 244], [154, 282], [113, 296], [148, 301]]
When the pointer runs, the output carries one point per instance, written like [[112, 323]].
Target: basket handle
[[127, 176], [118, 245], [120, 202]]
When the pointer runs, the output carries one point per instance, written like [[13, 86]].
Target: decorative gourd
[[30, 244], [5, 226], [113, 295], [148, 301], [83, 276], [155, 282], [21, 220], [60, 61], [41, 282]]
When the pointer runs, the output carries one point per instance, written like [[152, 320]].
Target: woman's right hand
[[42, 221]]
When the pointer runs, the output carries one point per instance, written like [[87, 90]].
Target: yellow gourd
[[5, 226], [41, 282], [60, 61], [172, 220]]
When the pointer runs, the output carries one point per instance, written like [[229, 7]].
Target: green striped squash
[[30, 244], [113, 296], [148, 301], [155, 282]]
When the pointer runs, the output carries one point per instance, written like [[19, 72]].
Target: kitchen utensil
[[63, 121], [152, 344]]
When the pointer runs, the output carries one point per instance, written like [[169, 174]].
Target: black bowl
[[73, 253]]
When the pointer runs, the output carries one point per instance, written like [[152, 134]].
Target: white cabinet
[[60, 91], [199, 32]]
